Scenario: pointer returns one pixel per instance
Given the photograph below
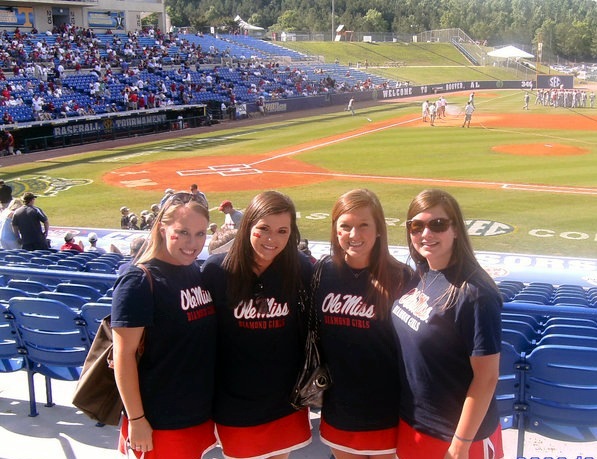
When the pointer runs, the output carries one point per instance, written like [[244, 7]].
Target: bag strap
[[149, 276], [147, 272], [312, 319]]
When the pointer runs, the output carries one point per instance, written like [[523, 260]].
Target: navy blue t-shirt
[[360, 350], [259, 355], [436, 346], [176, 370]]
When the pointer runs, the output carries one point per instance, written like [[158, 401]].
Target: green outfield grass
[[562, 224]]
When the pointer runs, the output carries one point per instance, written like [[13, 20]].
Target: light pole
[[333, 29]]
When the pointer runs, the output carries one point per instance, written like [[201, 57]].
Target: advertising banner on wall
[[16, 16]]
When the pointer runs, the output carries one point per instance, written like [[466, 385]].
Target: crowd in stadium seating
[[73, 71]]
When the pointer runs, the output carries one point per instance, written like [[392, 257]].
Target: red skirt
[[366, 443], [189, 443], [413, 444], [281, 436]]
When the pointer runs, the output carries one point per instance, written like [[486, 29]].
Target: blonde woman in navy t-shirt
[[449, 333], [357, 287], [168, 313], [260, 351]]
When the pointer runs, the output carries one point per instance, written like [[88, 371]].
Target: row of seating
[[67, 260], [44, 336], [546, 293], [551, 390], [528, 331], [73, 295]]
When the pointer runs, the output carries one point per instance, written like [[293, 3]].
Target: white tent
[[509, 52], [245, 25]]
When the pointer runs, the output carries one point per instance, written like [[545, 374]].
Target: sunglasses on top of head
[[184, 197], [437, 225]]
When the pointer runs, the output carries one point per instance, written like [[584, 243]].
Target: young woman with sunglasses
[[255, 287], [449, 334], [160, 307], [357, 287]]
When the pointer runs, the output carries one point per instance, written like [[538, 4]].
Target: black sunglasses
[[437, 225], [259, 298]]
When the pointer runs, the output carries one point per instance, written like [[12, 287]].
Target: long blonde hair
[[155, 242]]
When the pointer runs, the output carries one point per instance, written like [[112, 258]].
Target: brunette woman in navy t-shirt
[[255, 287], [168, 313], [357, 287], [449, 334]]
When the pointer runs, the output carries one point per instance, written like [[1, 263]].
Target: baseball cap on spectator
[[225, 204], [68, 237], [124, 208], [92, 237], [27, 197]]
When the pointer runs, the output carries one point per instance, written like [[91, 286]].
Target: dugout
[[66, 132]]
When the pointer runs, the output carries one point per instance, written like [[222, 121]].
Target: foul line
[[334, 141], [448, 182]]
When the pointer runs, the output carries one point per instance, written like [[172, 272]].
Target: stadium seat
[[30, 286], [93, 313], [10, 357], [561, 388], [85, 291], [53, 339], [75, 302]]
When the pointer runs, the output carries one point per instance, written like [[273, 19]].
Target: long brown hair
[[463, 259], [240, 260], [386, 273]]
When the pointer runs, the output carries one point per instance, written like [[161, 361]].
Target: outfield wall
[[501, 266]]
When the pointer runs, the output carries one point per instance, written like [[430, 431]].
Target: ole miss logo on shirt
[[347, 310], [248, 316], [193, 302], [413, 308]]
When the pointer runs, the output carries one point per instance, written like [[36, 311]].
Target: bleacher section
[[177, 70]]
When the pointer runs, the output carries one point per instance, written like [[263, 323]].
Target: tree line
[[566, 28]]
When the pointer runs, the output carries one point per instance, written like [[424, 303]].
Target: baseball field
[[526, 179]]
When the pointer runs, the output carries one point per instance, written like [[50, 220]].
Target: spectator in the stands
[[167, 193], [27, 224], [134, 222], [233, 216], [7, 143], [70, 244], [8, 238], [7, 118], [136, 245], [92, 238], [5, 194], [196, 192], [124, 217]]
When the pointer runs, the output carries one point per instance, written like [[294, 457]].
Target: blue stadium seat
[[30, 286], [561, 388], [53, 339], [85, 291], [10, 357], [75, 302], [93, 313]]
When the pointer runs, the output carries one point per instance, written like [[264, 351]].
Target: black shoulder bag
[[314, 377]]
